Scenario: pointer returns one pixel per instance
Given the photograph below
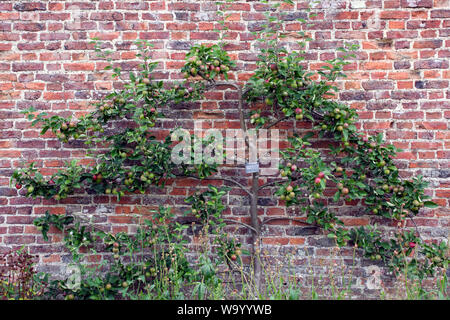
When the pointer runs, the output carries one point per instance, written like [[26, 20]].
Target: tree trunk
[[256, 239]]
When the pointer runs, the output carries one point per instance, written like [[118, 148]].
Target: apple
[[289, 188], [344, 190], [317, 180], [293, 167], [146, 80], [18, 186], [321, 175]]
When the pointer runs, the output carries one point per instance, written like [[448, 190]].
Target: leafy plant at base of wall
[[18, 277], [407, 253], [131, 273], [126, 271]]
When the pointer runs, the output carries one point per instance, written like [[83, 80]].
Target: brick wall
[[399, 83]]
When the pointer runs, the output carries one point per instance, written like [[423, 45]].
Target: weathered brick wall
[[399, 83]]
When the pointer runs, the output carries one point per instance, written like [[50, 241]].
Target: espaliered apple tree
[[362, 168]]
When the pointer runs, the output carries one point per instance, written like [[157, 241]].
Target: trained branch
[[241, 186], [276, 122], [268, 184], [288, 218], [239, 223]]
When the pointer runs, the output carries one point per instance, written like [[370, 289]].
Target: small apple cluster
[[343, 189], [289, 193], [183, 92], [288, 170], [257, 119], [317, 179], [207, 62], [67, 129], [230, 250], [339, 119]]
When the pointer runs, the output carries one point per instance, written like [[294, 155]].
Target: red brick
[[394, 14]]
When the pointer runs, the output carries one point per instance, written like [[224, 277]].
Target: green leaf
[[430, 204]]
